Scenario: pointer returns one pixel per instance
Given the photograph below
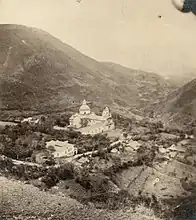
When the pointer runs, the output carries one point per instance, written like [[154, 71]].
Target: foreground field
[[28, 202]]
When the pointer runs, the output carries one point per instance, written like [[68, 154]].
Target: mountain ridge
[[39, 71]]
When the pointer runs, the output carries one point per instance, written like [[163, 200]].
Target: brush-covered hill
[[39, 72], [23, 201], [148, 88], [180, 106]]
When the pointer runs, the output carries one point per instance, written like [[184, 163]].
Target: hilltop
[[39, 72]]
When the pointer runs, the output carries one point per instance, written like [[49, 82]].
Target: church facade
[[87, 122]]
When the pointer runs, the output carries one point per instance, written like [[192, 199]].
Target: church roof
[[91, 127], [95, 117], [91, 116]]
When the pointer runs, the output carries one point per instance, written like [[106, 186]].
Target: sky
[[128, 32]]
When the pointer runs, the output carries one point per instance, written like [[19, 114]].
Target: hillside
[[149, 151], [148, 88], [40, 72], [179, 106], [36, 204]]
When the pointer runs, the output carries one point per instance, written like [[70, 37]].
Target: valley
[[143, 167], [138, 161]]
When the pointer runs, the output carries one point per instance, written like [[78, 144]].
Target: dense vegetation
[[23, 141], [19, 142]]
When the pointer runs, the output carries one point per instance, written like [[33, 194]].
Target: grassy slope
[[17, 197], [41, 72]]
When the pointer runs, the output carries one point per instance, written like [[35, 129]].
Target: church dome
[[84, 109]]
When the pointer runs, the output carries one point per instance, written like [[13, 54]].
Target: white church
[[87, 122]]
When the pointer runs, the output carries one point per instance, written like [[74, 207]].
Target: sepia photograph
[[97, 110]]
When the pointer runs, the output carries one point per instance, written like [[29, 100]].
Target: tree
[[125, 135]]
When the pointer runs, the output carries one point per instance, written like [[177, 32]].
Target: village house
[[34, 120], [87, 122], [61, 148]]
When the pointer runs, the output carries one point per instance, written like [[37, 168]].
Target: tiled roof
[[91, 116]]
